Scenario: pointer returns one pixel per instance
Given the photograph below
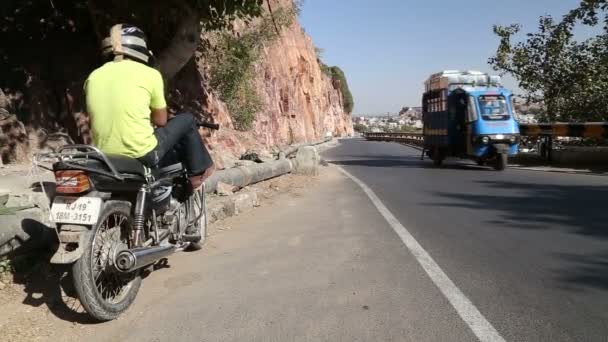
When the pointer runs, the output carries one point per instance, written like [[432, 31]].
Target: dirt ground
[[39, 305]]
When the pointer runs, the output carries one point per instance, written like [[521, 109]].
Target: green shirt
[[119, 96]]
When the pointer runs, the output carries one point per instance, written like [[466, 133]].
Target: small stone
[[244, 202], [224, 189]]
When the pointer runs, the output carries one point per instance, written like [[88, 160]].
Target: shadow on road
[[51, 286], [574, 209], [579, 209], [389, 161], [584, 271]]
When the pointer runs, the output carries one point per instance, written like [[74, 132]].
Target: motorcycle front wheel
[[104, 292]]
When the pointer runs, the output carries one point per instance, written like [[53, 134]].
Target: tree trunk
[[4, 103], [183, 45]]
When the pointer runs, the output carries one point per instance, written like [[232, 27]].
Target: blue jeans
[[179, 141]]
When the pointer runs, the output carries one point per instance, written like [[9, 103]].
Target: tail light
[[72, 182]]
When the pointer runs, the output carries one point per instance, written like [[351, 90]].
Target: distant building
[[527, 118]]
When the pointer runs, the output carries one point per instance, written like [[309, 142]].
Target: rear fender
[[71, 240]]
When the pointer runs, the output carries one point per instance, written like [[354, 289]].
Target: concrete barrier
[[246, 175], [307, 161], [294, 148]]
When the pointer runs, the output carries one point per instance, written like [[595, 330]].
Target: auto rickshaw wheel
[[502, 159]]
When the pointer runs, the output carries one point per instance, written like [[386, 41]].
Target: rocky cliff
[[301, 103]]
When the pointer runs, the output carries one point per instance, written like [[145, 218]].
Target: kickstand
[[422, 155]]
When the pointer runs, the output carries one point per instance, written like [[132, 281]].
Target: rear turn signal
[[72, 182]]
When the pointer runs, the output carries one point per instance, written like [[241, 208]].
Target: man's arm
[[158, 105], [159, 116]]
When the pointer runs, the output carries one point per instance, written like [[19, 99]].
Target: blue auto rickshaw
[[469, 115]]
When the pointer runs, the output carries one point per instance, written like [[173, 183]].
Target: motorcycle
[[115, 217]]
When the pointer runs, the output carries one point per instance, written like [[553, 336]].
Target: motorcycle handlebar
[[209, 125]]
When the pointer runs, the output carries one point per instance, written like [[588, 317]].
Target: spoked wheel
[[105, 292]]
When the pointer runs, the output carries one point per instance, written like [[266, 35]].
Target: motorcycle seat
[[127, 165]]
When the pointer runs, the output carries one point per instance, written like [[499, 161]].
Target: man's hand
[[159, 117]]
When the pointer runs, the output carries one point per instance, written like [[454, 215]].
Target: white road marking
[[480, 326]]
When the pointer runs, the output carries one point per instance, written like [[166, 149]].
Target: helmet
[[126, 40]]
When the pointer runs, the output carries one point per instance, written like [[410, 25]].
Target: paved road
[[320, 264], [529, 249]]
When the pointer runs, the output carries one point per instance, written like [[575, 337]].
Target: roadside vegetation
[[339, 80], [568, 77], [233, 57]]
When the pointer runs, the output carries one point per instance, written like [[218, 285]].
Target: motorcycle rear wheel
[[104, 292]]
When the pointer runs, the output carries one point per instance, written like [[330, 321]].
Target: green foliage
[[326, 69], [339, 79], [220, 14], [5, 266], [403, 129], [319, 52], [233, 60], [360, 128], [569, 77]]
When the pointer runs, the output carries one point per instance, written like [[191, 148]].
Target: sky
[[388, 48]]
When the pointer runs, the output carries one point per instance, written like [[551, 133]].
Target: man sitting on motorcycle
[[125, 101]]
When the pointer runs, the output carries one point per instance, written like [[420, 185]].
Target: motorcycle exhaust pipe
[[132, 259]]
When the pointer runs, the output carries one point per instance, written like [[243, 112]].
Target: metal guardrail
[[596, 130], [409, 138]]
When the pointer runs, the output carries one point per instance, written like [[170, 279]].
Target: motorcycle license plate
[[76, 210]]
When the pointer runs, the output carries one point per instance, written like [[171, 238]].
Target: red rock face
[[301, 102]]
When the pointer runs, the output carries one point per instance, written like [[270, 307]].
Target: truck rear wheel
[[437, 157]]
